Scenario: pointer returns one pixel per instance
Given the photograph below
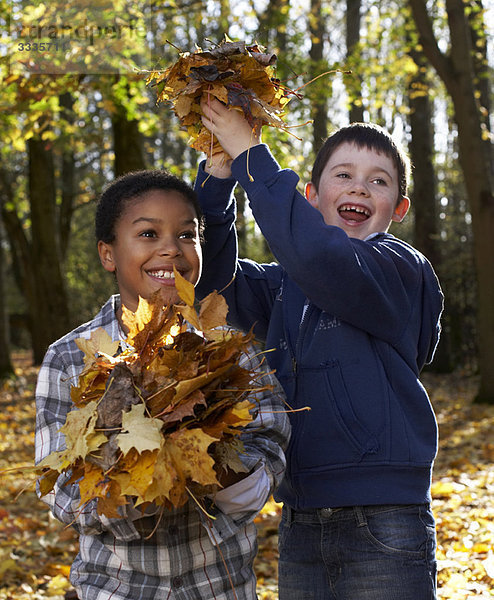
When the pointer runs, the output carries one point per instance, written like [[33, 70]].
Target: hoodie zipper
[[298, 344]]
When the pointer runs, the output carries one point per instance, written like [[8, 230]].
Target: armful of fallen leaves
[[161, 421]]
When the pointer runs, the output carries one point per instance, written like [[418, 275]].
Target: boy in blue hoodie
[[351, 314]]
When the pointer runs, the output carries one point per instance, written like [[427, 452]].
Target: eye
[[343, 175], [188, 235], [380, 181], [148, 233]]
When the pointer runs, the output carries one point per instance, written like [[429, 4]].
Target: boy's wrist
[[218, 168], [241, 144]]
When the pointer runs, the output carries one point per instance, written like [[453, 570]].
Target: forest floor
[[36, 551]]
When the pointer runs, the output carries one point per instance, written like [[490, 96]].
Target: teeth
[[163, 274], [355, 209]]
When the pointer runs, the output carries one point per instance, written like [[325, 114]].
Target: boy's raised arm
[[302, 242]]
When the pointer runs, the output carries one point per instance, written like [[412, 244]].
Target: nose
[[169, 246], [359, 187]]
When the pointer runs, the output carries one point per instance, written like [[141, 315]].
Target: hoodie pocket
[[353, 427], [332, 433]]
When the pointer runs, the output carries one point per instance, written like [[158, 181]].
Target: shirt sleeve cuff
[[246, 496]]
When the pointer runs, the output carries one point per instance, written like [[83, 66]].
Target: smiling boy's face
[[156, 232], [358, 191]]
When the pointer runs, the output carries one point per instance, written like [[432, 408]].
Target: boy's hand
[[229, 126], [219, 165]]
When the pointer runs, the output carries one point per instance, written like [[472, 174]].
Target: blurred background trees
[[421, 69]]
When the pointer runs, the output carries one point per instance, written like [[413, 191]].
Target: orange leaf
[[213, 311], [93, 484]]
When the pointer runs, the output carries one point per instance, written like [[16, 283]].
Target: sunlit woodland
[[77, 111]]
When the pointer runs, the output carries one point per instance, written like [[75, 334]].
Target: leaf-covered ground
[[36, 551]]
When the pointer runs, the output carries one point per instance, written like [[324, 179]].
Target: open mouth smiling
[[353, 212]]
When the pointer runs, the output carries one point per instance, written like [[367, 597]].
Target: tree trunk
[[20, 247], [6, 368], [272, 25], [481, 62], [424, 198], [319, 93], [224, 20], [421, 148], [353, 59], [127, 143], [67, 177], [49, 312], [476, 160]]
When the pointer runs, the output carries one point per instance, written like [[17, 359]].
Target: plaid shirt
[[189, 556]]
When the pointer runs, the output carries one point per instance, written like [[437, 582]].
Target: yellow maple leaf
[[188, 449], [153, 323], [56, 461], [185, 289], [139, 476], [138, 320], [166, 483], [98, 342], [80, 436], [140, 431]]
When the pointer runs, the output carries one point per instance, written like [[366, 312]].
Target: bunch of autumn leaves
[[239, 75], [159, 420]]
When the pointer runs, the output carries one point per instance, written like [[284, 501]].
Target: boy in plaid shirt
[[147, 223]]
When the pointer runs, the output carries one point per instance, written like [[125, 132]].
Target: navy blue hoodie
[[349, 325]]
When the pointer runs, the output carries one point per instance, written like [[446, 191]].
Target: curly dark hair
[[364, 135], [112, 201]]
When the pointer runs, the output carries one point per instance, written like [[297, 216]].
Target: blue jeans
[[358, 553]]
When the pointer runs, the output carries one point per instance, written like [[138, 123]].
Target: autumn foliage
[[238, 75], [160, 420]]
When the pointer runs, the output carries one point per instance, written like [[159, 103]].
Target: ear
[[105, 252], [401, 210], [311, 194]]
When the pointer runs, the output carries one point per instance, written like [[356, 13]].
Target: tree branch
[[440, 61]]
